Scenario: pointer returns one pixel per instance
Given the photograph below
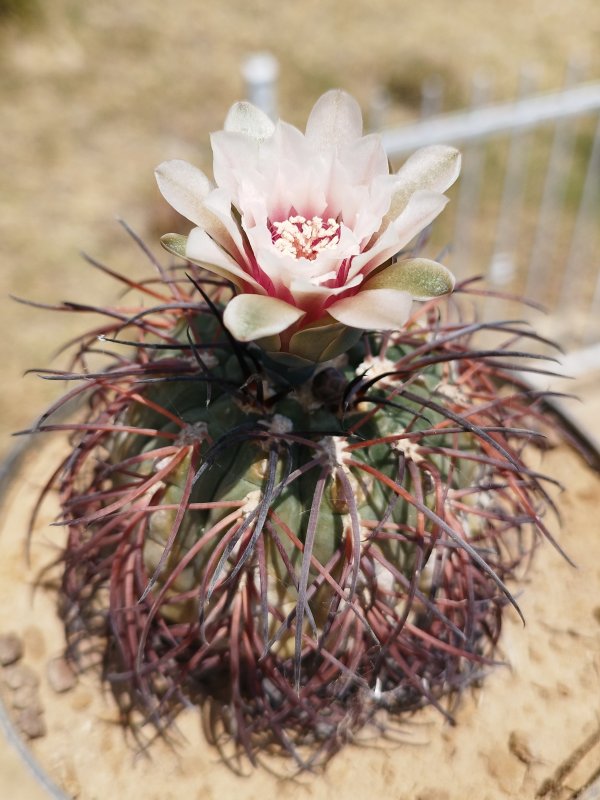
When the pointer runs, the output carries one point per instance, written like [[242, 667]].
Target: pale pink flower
[[308, 226]]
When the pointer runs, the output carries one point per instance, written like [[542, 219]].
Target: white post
[[260, 72]]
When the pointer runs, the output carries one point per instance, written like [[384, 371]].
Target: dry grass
[[94, 95]]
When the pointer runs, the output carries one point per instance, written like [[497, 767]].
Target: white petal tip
[[420, 277], [374, 309], [335, 120], [174, 243], [243, 117], [183, 186], [251, 316]]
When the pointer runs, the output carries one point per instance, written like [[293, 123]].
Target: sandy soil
[[516, 737]]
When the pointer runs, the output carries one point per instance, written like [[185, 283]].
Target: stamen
[[304, 238]]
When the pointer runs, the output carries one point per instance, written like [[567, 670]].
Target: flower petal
[[434, 168], [188, 190], [420, 277], [234, 155], [366, 158], [373, 309], [345, 339], [335, 120], [174, 243], [201, 249], [311, 296], [222, 226], [289, 175], [251, 316], [184, 187], [422, 208], [243, 117], [322, 342], [202, 245]]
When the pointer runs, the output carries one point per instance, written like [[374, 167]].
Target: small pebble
[[519, 747], [17, 675], [60, 675], [11, 649], [26, 697], [31, 723]]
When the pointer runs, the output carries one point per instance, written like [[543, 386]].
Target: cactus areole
[[292, 496]]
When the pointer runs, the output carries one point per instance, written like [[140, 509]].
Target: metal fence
[[527, 207], [525, 213]]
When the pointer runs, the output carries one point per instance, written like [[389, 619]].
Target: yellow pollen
[[305, 238]]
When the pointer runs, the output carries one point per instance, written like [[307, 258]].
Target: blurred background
[[94, 95]]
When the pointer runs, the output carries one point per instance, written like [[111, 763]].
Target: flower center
[[304, 238]]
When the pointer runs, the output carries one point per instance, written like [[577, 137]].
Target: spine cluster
[[297, 554]]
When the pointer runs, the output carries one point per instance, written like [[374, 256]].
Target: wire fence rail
[[527, 208]]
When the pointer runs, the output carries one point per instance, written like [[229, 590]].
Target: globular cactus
[[302, 552], [289, 495]]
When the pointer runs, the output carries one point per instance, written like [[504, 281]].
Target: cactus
[[304, 549], [289, 495]]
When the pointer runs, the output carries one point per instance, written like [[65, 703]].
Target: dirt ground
[[94, 95], [532, 730]]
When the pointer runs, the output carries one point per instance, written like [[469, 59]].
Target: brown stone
[[26, 696], [30, 722], [11, 649], [60, 675], [17, 675], [518, 745]]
